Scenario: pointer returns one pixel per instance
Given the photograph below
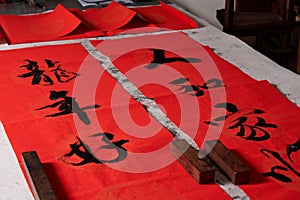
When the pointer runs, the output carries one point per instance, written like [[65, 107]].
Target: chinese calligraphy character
[[67, 105], [257, 131], [107, 138], [286, 166], [84, 152], [36, 74], [196, 90], [160, 58], [62, 75]]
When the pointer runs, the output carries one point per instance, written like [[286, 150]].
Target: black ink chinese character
[[62, 75], [36, 73], [107, 138], [67, 105], [287, 166], [256, 131], [160, 58], [197, 90], [84, 152]]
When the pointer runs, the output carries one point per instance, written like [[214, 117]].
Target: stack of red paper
[[64, 23]]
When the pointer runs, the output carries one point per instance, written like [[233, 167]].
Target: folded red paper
[[40, 27], [109, 18], [64, 23], [166, 17]]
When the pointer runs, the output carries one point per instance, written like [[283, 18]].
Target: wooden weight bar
[[229, 164], [188, 158], [37, 177]]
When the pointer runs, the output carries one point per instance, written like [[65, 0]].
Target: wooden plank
[[189, 159], [231, 166], [37, 177]]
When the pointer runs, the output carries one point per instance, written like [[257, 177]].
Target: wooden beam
[[229, 164], [189, 159], [37, 177]]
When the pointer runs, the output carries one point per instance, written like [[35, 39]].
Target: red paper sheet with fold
[[185, 79], [41, 27], [165, 16], [64, 23], [111, 17]]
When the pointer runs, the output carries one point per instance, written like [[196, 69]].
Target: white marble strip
[[5, 46], [232, 190]]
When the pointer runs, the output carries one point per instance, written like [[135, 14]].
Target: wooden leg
[[259, 42], [298, 59]]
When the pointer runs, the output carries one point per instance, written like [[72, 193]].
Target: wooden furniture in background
[[298, 59], [297, 25], [259, 18]]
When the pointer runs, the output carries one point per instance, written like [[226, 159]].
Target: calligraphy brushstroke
[[160, 58], [286, 166]]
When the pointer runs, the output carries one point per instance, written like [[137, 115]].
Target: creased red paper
[[40, 27], [109, 18], [166, 17]]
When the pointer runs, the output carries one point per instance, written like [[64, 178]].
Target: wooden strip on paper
[[37, 177], [237, 171], [189, 159]]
